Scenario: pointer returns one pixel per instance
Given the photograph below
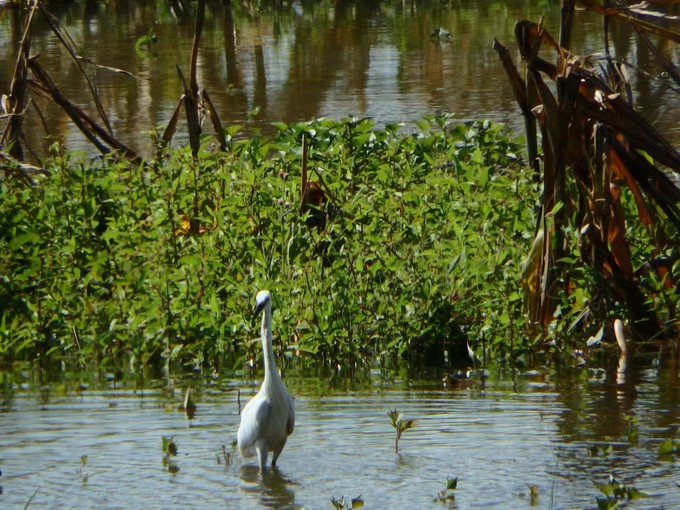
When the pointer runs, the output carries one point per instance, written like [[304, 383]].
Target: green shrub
[[421, 253]]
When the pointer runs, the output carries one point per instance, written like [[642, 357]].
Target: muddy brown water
[[295, 61]]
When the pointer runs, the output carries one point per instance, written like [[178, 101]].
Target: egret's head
[[262, 299]]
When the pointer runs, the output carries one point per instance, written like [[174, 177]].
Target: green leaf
[[634, 493], [357, 502], [606, 503], [595, 339], [605, 488], [667, 446], [18, 241], [175, 351]]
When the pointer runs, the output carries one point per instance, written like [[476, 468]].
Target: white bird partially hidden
[[269, 418], [623, 357]]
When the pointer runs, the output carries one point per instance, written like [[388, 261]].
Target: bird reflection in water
[[273, 488]]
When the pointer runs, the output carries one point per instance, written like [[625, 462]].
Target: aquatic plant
[[228, 456], [143, 43], [632, 430], [341, 504], [533, 494], [597, 450], [616, 492], [400, 426], [447, 495], [189, 406], [669, 446], [84, 477], [169, 447]]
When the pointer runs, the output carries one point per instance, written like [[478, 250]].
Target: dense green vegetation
[[422, 249]]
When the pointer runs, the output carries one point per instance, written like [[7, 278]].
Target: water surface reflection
[[291, 60], [273, 489], [533, 429]]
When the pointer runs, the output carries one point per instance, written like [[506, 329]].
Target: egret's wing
[[290, 426], [253, 418]]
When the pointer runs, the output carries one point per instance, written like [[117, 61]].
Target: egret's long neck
[[266, 333]]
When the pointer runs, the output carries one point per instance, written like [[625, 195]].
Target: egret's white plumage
[[269, 418], [623, 357]]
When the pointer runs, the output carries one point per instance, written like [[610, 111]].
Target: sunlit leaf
[[606, 503], [634, 493], [596, 338], [605, 488], [357, 502], [667, 446]]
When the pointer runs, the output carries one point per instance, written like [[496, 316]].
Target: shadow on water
[[272, 487]]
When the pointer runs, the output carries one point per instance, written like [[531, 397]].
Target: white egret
[[269, 418], [623, 357]]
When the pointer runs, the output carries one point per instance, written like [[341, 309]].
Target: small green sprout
[[616, 492], [447, 495], [631, 431], [169, 446], [143, 43], [84, 477], [597, 450], [533, 494], [669, 447], [169, 449], [400, 425], [228, 456]]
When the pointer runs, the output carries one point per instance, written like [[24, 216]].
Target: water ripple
[[496, 442]]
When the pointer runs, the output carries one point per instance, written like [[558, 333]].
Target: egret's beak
[[256, 312]]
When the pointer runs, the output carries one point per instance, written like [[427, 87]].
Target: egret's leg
[[262, 455], [277, 452]]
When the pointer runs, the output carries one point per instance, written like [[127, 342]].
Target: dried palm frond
[[592, 137]]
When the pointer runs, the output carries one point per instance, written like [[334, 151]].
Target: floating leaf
[[667, 446], [634, 493], [357, 502]]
